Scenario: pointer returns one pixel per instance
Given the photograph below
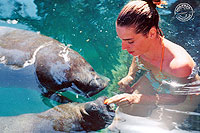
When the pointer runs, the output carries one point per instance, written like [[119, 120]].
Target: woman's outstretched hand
[[130, 98]]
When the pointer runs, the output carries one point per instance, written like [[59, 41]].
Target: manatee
[[57, 67], [89, 116]]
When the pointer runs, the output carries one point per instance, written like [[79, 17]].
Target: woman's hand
[[125, 81], [130, 98], [124, 84]]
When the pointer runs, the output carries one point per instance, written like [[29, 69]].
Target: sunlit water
[[89, 26]]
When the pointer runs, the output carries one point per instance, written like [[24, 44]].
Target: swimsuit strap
[[163, 52]]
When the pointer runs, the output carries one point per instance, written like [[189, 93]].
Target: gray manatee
[[57, 67], [89, 116]]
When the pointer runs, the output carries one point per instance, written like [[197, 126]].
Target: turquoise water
[[89, 26]]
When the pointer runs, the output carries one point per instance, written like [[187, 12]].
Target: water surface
[[89, 26]]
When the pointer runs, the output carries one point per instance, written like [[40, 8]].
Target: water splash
[[183, 89]]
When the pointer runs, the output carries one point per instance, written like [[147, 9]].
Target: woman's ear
[[152, 33]]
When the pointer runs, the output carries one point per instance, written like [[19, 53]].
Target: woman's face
[[135, 44]]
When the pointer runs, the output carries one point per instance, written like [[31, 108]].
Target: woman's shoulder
[[181, 64], [181, 68]]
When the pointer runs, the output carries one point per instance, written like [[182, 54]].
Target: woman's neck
[[154, 53]]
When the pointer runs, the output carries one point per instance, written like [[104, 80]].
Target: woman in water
[[163, 60]]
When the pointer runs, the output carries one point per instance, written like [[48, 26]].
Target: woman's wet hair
[[142, 15]]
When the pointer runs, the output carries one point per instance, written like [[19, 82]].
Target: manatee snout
[[99, 82], [97, 114]]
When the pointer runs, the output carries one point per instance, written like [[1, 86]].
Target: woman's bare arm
[[126, 81]]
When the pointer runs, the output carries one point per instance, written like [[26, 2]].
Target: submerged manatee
[[57, 67], [90, 116]]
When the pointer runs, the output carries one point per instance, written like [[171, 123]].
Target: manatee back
[[51, 66], [18, 47]]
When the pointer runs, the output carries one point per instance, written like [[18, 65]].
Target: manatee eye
[[91, 108], [94, 108]]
